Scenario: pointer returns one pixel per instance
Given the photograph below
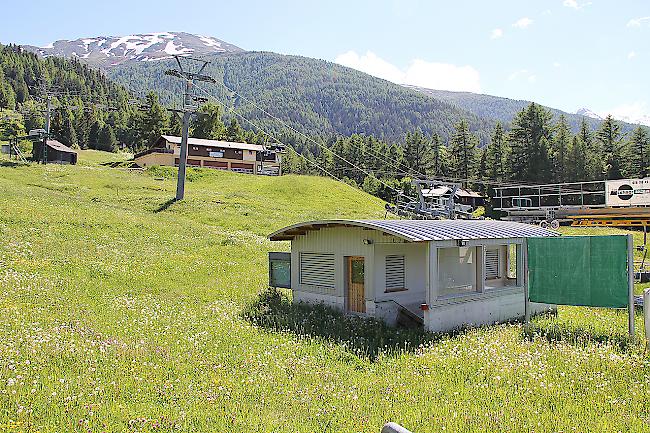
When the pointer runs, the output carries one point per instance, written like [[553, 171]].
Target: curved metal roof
[[425, 230]]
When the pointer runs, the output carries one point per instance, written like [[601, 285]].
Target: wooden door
[[355, 284]]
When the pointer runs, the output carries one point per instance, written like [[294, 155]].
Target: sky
[[566, 54]]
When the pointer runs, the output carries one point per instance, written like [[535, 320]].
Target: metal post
[[190, 104], [646, 315], [630, 272], [47, 128], [524, 254], [182, 163]]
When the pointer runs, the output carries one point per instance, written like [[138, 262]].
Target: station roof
[[214, 143], [57, 145], [425, 230]]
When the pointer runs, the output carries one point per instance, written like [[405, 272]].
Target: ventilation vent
[[317, 269], [395, 273], [491, 264]]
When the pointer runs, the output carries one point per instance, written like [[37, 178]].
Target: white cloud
[[522, 23], [547, 12], [637, 22], [574, 4], [556, 64], [371, 64], [631, 55], [523, 74], [442, 76], [496, 34], [635, 112]]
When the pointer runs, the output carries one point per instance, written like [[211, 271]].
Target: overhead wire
[[259, 128], [322, 146]]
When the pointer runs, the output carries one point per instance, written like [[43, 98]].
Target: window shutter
[[491, 264], [395, 273], [317, 269]]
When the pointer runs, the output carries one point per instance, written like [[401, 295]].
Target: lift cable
[[322, 146], [275, 139]]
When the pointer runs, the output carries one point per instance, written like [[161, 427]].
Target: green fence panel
[[578, 270]]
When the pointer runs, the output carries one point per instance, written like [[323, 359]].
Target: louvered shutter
[[491, 264], [317, 269], [395, 279]]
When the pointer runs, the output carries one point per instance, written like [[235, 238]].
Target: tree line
[[536, 149]]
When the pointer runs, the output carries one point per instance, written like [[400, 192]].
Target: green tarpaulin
[[578, 270]]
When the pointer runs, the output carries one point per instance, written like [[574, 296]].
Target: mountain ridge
[[109, 51], [335, 99]]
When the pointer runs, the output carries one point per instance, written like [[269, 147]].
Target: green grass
[[122, 312]]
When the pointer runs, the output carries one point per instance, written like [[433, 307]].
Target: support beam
[[630, 272]]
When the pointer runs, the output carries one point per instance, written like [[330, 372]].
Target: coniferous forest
[[536, 146]]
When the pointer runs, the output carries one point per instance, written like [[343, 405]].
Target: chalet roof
[[57, 145], [425, 230], [214, 143]]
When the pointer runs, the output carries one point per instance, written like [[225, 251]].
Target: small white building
[[444, 274]]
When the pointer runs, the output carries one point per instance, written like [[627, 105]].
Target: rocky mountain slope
[[109, 51]]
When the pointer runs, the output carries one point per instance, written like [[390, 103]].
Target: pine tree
[[417, 153], [609, 136], [106, 140], [638, 154], [234, 132], [462, 151], [560, 150], [439, 156], [207, 123], [153, 122], [93, 135], [175, 125], [496, 154], [63, 128], [529, 145], [593, 152], [578, 168]]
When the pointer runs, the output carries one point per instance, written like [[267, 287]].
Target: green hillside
[[120, 311], [504, 109], [313, 96]]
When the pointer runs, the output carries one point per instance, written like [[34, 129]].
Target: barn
[[442, 274], [54, 151]]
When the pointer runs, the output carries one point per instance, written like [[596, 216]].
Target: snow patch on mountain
[[107, 51], [631, 113], [588, 113]]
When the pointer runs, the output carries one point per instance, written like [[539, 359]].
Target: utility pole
[[190, 105], [47, 127]]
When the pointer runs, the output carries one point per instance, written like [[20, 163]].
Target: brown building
[[54, 152], [222, 155]]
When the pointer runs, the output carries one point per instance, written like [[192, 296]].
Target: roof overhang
[[424, 230]]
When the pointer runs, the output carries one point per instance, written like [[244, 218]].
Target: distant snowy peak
[[588, 113], [634, 118], [107, 51]]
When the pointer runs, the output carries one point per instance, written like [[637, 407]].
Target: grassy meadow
[[121, 311]]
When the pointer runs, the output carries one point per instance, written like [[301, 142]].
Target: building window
[[501, 266], [317, 269], [395, 274], [457, 271]]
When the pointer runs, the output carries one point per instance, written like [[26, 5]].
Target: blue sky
[[562, 53]]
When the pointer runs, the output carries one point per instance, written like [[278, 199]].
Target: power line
[[259, 128], [303, 135]]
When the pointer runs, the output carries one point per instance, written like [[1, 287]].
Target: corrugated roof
[[57, 145], [214, 143], [425, 230]]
